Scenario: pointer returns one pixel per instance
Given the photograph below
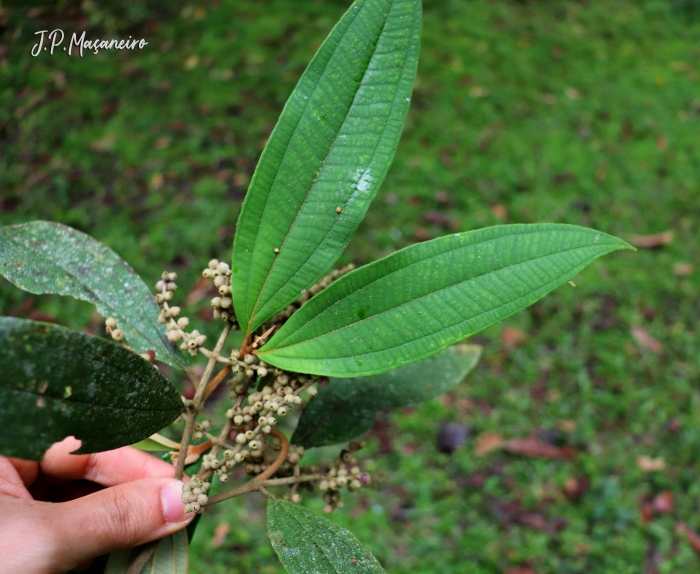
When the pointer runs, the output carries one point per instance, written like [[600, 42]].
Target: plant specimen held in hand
[[349, 341]]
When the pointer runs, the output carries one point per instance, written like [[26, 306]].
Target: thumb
[[120, 517]]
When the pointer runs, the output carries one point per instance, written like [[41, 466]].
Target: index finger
[[108, 468]]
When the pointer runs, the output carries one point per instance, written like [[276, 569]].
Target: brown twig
[[215, 382], [261, 478]]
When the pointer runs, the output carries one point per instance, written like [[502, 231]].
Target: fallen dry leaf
[[648, 464], [536, 448], [683, 269], [651, 241], [645, 340], [513, 337], [663, 502], [690, 535], [487, 442], [220, 533]]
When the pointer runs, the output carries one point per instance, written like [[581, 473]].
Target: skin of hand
[[58, 514]]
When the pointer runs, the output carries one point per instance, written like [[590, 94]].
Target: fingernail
[[173, 508]]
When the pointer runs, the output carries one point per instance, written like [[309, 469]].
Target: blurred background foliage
[[581, 112]]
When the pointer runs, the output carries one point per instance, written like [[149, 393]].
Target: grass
[[576, 112]]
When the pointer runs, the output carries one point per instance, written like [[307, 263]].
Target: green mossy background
[[524, 111]]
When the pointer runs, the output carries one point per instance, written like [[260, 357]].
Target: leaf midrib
[[374, 152], [420, 297], [313, 184]]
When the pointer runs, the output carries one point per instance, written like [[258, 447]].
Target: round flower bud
[[226, 302], [289, 399], [238, 420], [171, 286], [249, 372], [312, 391], [354, 485], [183, 322], [293, 458], [341, 481], [255, 445], [174, 311], [238, 457], [228, 453], [206, 486], [207, 273], [223, 267], [196, 507], [219, 281], [202, 499], [328, 509], [111, 323], [296, 498], [201, 340], [249, 359], [250, 435], [241, 438], [213, 264], [174, 335], [262, 372], [266, 429], [167, 296], [323, 485], [118, 335], [282, 411], [223, 477], [216, 302], [160, 285]]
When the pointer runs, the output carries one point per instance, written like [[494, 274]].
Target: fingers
[[115, 518], [10, 481], [106, 468], [28, 470]]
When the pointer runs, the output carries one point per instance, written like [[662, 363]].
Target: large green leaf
[[331, 149], [43, 257], [346, 408], [57, 383], [171, 556], [419, 300], [307, 543]]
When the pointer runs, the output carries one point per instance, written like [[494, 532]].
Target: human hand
[[56, 515]]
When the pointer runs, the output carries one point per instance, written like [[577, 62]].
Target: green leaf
[[346, 408], [310, 544], [172, 556], [156, 443], [57, 383], [331, 148], [43, 257], [419, 300]]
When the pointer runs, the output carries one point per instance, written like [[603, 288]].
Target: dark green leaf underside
[[331, 148], [346, 408], [171, 556], [307, 543], [43, 257], [419, 300], [57, 383]]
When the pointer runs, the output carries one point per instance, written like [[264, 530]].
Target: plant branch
[[216, 381], [197, 402], [261, 478]]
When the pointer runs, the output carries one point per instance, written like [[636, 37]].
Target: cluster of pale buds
[[194, 494], [220, 272]]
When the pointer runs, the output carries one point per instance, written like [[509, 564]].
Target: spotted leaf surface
[[418, 301], [57, 383], [43, 257], [307, 543], [346, 408], [326, 158]]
